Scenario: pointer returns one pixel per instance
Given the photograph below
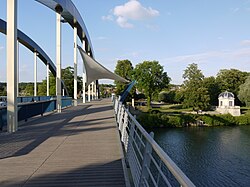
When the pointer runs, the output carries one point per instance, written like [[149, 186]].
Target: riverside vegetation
[[155, 118]]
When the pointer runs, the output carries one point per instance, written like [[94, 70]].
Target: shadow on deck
[[78, 147]]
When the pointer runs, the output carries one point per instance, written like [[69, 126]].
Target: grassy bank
[[175, 116], [183, 120]]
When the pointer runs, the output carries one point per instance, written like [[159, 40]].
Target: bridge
[[86, 145], [56, 141], [78, 147]]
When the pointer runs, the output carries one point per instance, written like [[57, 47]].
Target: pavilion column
[[12, 121], [58, 59], [47, 79], [35, 73], [83, 77], [75, 66]]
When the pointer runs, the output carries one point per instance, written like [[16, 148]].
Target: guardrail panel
[[33, 106], [149, 164]]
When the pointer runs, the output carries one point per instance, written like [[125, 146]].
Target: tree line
[[197, 91], [27, 89]]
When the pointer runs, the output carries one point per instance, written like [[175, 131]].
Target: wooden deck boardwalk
[[79, 147]]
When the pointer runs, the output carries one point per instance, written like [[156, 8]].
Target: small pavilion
[[226, 104]]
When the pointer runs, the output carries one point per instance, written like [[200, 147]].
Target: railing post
[[121, 118], [119, 111], [124, 126], [116, 106], [146, 162]]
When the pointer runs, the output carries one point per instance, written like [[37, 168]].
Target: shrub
[[151, 120], [175, 121]]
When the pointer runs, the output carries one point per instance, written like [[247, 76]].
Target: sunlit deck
[[79, 147]]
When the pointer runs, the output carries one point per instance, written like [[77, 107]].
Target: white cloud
[[207, 56], [135, 11], [209, 62], [245, 43], [123, 22], [131, 11], [107, 18]]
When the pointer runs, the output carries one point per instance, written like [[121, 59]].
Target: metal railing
[[30, 107], [149, 164]]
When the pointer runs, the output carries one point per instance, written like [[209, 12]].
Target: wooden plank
[[79, 147]]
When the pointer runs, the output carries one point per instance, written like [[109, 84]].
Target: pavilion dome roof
[[226, 94]]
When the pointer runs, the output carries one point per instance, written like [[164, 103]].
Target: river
[[210, 156]]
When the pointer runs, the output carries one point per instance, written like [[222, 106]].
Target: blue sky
[[214, 34]]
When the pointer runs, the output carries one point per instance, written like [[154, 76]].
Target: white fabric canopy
[[95, 71]]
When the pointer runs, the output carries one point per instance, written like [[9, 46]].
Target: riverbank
[[163, 120]]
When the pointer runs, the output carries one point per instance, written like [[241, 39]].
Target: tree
[[3, 89], [151, 78], [167, 96], [42, 88], [195, 95], [29, 89], [230, 80], [213, 89], [67, 77], [124, 68], [244, 92]]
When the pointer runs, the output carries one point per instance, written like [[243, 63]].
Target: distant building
[[226, 104]]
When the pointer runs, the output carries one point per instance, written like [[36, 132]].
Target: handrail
[[129, 127], [27, 110]]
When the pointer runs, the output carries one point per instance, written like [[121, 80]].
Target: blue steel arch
[[71, 15], [32, 46]]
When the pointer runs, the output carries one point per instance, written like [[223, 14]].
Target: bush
[[151, 120], [175, 121], [140, 96], [167, 96], [243, 119]]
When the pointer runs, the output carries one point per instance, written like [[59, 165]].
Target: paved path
[[79, 147]]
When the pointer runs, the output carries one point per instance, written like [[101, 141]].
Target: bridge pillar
[[92, 90], [17, 84], [89, 93], [58, 59], [95, 90], [97, 93], [35, 73], [75, 66], [12, 121], [47, 79], [83, 76]]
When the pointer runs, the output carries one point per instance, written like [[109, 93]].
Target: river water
[[210, 156]]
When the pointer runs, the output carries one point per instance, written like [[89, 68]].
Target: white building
[[226, 104]]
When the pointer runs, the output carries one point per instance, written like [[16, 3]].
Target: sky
[[213, 34]]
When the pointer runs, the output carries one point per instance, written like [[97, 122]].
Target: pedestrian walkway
[[79, 147]]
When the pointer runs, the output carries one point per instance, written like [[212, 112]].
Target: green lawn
[[166, 108]]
